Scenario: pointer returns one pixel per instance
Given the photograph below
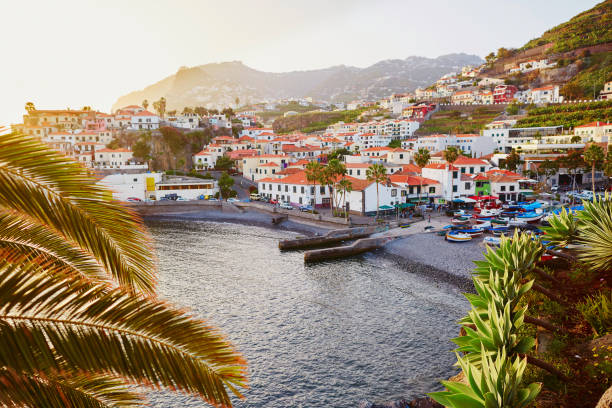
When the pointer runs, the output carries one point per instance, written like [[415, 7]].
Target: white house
[[115, 159], [295, 189], [124, 186], [364, 200], [144, 120], [454, 184], [546, 94]]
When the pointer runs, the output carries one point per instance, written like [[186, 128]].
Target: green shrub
[[597, 310]]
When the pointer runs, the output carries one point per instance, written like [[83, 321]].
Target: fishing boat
[[483, 224], [497, 231], [530, 217], [500, 221], [487, 213], [460, 213], [457, 236], [494, 241], [460, 220], [473, 232]]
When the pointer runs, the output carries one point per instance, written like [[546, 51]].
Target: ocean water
[[324, 335]]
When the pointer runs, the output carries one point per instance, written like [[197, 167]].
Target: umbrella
[[385, 207]]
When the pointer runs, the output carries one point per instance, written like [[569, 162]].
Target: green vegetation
[[224, 163], [81, 323], [597, 310], [282, 109], [377, 173], [591, 27], [225, 185], [314, 121], [395, 143], [595, 71], [568, 115], [455, 121]]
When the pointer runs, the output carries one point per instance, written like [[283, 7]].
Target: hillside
[[218, 85], [588, 28], [569, 116], [460, 119], [314, 121]]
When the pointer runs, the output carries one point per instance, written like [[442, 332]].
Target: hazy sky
[[70, 53]]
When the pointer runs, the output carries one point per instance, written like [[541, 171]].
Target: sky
[[72, 53]]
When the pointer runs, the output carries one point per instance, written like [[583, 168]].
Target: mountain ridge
[[219, 84]]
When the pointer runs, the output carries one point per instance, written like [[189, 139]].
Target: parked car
[[134, 200], [286, 206], [306, 208], [255, 197], [273, 201], [179, 198], [233, 200], [171, 196], [213, 199]]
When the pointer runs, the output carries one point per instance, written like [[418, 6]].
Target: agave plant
[[516, 255], [596, 233], [563, 229], [80, 320], [496, 383]]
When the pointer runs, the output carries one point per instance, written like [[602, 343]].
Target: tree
[[513, 160], [512, 109], [490, 58], [334, 169], [548, 168], [145, 104], [395, 143], [608, 164], [450, 155], [572, 162], [187, 109], [339, 154], [378, 174], [237, 101], [86, 108], [228, 112], [346, 186], [313, 174], [421, 158], [160, 106], [225, 184], [575, 139], [224, 163], [77, 282], [29, 107], [141, 149], [200, 110], [594, 158]]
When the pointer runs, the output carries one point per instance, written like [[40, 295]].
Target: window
[[302, 190], [279, 187], [511, 188], [294, 189], [394, 193], [312, 190], [358, 172], [482, 169], [454, 189], [467, 186], [463, 170], [502, 188], [471, 170], [455, 174], [322, 190], [432, 190]]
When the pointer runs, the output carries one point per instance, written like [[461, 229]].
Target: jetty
[[330, 237], [358, 247]]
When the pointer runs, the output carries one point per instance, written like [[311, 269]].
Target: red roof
[[144, 113], [594, 124], [440, 166], [270, 164], [464, 161], [411, 180], [114, 151]]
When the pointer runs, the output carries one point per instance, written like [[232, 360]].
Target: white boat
[[483, 224], [457, 236], [516, 222], [530, 217], [460, 220], [473, 232], [494, 241], [487, 213]]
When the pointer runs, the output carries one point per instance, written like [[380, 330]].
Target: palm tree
[[594, 158], [346, 186], [145, 104], [421, 158], [335, 168], [29, 107], [313, 174], [77, 295], [378, 174], [450, 155]]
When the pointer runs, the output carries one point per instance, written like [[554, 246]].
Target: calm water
[[328, 335]]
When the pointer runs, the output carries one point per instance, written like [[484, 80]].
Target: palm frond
[[54, 390], [23, 239], [563, 229], [57, 192], [596, 233], [53, 321]]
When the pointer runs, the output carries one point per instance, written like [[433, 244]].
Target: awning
[[401, 206], [527, 193], [464, 200], [385, 207]]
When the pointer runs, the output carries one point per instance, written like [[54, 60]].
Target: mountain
[[588, 28], [220, 84]]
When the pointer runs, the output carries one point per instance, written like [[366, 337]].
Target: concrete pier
[[331, 237], [358, 247]]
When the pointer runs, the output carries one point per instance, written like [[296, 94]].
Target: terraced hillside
[[570, 115], [461, 119]]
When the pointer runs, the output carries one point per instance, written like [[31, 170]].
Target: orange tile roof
[[114, 151], [463, 161], [411, 180]]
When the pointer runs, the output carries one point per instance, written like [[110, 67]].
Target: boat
[[498, 230], [473, 232], [488, 213], [516, 223], [483, 224], [494, 241], [457, 236], [460, 220], [500, 221], [530, 217], [460, 213], [483, 220]]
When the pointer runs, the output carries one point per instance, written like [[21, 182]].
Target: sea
[[332, 334]]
